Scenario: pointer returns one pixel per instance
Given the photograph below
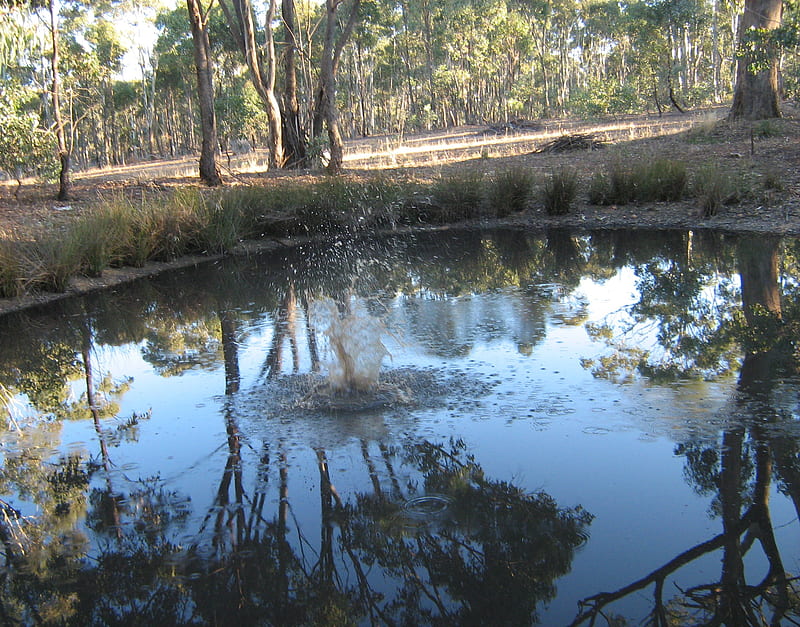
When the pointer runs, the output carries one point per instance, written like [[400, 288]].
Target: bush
[[508, 191], [559, 191], [714, 187]]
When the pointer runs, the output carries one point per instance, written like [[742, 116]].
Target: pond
[[565, 426]]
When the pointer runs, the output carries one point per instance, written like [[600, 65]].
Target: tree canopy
[[283, 73]]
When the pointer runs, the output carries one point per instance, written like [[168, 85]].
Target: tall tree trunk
[[756, 95], [209, 172], [293, 135], [325, 108], [64, 156], [242, 25], [277, 157]]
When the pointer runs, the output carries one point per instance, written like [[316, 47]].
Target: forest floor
[[767, 154]]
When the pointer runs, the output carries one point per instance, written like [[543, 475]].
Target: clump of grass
[[704, 133], [764, 129], [772, 181], [558, 192], [455, 197], [508, 191], [714, 187], [55, 259], [221, 221], [661, 180], [12, 264], [100, 237]]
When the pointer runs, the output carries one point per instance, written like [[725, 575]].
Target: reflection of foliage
[[174, 346], [685, 313], [44, 368], [703, 467], [497, 543]]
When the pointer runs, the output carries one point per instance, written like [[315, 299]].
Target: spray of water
[[354, 336]]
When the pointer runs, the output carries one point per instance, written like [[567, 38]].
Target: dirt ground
[[767, 155]]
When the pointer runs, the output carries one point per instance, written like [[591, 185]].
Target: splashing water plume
[[355, 342]]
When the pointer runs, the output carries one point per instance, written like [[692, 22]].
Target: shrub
[[714, 187], [558, 192], [456, 197], [508, 191]]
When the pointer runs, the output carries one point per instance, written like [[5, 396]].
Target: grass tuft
[[13, 261], [661, 180], [456, 197], [509, 191], [558, 192], [714, 187]]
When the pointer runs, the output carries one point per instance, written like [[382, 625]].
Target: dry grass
[[446, 165]]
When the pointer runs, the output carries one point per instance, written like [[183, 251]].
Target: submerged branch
[[597, 602]]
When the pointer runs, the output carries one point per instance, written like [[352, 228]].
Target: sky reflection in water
[[583, 409]]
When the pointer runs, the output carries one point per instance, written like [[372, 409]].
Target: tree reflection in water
[[374, 564], [108, 549], [758, 444]]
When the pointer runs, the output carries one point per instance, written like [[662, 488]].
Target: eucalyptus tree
[[175, 78], [108, 51], [261, 62], [204, 66], [25, 147], [756, 95], [325, 106]]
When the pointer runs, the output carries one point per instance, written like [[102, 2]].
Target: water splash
[[355, 340]]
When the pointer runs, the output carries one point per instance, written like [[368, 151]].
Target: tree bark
[[242, 25], [64, 156], [293, 135], [757, 93], [325, 108], [277, 157], [209, 172]]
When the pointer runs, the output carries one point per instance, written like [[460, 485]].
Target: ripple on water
[[427, 505]]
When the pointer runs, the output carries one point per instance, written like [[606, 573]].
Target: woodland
[[299, 77]]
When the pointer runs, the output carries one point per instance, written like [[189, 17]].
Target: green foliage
[[25, 148], [604, 97], [761, 46], [558, 192]]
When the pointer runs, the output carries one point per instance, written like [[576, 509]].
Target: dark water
[[566, 415]]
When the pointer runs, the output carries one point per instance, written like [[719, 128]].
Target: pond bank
[[780, 221]]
